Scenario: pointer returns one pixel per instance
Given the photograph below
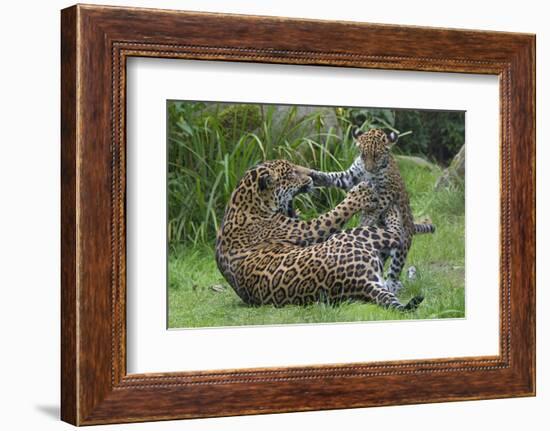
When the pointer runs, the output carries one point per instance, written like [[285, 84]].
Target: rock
[[454, 174], [426, 219], [218, 288], [418, 161]]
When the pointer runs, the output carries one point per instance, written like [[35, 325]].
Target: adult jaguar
[[376, 164], [270, 257]]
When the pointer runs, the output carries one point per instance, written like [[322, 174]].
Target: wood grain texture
[[96, 41], [69, 397]]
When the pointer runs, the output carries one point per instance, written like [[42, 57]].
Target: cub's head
[[375, 146], [274, 184]]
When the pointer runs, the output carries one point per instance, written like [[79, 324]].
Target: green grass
[[200, 297]]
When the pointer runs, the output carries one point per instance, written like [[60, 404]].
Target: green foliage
[[199, 296], [437, 135], [238, 119], [211, 145], [372, 117]]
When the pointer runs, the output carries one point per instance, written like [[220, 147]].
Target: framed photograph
[[317, 215]]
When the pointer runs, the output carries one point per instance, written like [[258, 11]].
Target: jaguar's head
[[276, 183], [375, 146]]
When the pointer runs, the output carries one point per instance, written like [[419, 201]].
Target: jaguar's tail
[[410, 306], [413, 304]]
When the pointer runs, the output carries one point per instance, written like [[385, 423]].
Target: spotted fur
[[375, 163], [269, 256]]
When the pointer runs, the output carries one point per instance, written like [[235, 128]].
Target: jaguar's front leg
[[361, 197]]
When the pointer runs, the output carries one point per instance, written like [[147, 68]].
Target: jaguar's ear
[[264, 181]]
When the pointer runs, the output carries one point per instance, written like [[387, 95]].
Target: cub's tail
[[424, 228]]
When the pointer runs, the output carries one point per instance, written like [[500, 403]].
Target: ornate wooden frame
[[95, 43]]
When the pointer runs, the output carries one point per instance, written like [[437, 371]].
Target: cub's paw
[[393, 286], [320, 179], [411, 273]]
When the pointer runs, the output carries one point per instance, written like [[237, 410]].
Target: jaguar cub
[[376, 164], [270, 257]]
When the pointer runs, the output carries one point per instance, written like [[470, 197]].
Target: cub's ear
[[392, 138], [356, 132], [264, 181]]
